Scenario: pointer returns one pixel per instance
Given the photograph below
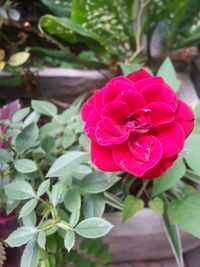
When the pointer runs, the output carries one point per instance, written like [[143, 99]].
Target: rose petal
[[129, 156], [87, 108], [142, 83], [185, 117], [102, 158], [160, 168], [172, 138], [98, 100], [161, 113], [133, 99], [159, 93], [91, 124], [105, 138], [138, 75], [115, 87]]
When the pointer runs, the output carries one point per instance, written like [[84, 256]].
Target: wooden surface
[[191, 259]]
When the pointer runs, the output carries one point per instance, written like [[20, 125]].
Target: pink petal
[[142, 83], [98, 100], [159, 93], [161, 113], [102, 158], [114, 88], [91, 124], [105, 138], [116, 110], [133, 99], [160, 168], [87, 108], [138, 75], [138, 155], [185, 117], [172, 138]]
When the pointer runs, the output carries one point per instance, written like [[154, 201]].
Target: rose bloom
[[136, 124]]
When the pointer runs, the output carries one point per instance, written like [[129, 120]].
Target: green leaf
[[56, 193], [98, 182], [30, 219], [74, 217], [44, 186], [93, 227], [51, 129], [33, 117], [168, 73], [19, 190], [28, 207], [21, 236], [131, 206], [44, 107], [41, 239], [66, 163], [69, 240], [93, 205], [68, 139], [26, 138], [5, 156], [185, 212], [30, 256], [60, 8], [113, 201], [191, 175], [192, 156], [109, 21], [197, 119], [20, 114], [18, 59], [72, 200], [25, 165], [173, 236], [128, 68], [169, 178], [81, 171], [156, 204]]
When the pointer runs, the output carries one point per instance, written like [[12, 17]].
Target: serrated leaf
[[28, 207], [93, 205], [44, 107], [156, 204], [25, 165], [72, 199], [66, 163], [26, 138], [56, 194], [19, 190], [185, 212], [98, 182], [69, 240], [131, 206], [18, 59], [21, 236], [5, 156], [44, 186], [169, 178], [30, 256], [41, 239], [168, 73], [93, 227], [192, 156]]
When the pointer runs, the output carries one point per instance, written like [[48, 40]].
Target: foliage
[[50, 184]]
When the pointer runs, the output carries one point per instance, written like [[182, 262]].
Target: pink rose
[[136, 124]]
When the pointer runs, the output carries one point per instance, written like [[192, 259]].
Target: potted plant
[[54, 191]]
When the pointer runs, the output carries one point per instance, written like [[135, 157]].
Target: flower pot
[[142, 237], [58, 83]]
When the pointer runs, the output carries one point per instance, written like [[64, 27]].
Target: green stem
[[145, 183]]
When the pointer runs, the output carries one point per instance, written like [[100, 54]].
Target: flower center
[[139, 121]]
